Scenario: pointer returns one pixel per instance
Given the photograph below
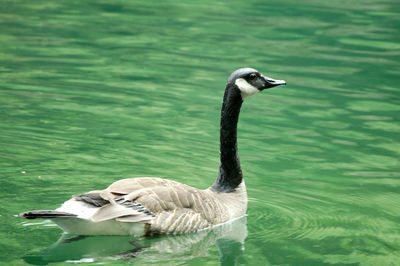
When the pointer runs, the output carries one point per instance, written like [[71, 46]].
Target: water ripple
[[302, 216]]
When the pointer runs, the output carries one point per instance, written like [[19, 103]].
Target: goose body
[[149, 205]]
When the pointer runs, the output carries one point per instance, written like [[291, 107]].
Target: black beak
[[269, 82]]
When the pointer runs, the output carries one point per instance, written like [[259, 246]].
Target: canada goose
[[148, 205]]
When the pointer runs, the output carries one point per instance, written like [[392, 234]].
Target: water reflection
[[228, 238]]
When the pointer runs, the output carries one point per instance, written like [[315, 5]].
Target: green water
[[95, 91]]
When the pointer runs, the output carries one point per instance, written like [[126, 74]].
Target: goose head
[[249, 81]]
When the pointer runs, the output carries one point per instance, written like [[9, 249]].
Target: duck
[[146, 206]]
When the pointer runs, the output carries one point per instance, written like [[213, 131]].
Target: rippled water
[[95, 91]]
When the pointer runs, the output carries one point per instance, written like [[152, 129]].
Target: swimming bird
[[152, 206]]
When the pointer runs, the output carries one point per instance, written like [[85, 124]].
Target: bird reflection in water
[[229, 239]]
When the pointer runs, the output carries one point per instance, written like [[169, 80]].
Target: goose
[[146, 206]]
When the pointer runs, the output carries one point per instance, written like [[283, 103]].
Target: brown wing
[[177, 208]]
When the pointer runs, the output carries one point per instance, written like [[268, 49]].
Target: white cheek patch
[[246, 89]]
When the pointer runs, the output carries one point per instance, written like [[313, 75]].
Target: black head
[[250, 81]]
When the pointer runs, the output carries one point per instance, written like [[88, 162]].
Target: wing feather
[[121, 212], [133, 219]]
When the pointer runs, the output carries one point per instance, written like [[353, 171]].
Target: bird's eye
[[252, 75]]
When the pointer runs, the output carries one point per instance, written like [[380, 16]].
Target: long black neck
[[230, 173]]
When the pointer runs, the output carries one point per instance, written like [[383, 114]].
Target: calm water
[[94, 91]]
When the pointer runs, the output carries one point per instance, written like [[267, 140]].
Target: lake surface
[[95, 91]]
